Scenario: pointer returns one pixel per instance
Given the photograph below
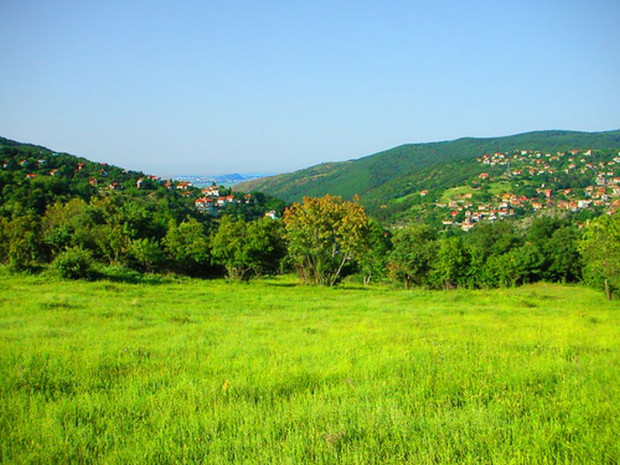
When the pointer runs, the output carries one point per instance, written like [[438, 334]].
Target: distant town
[[220, 180], [521, 182]]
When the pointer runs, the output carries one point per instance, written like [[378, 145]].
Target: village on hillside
[[37, 165], [505, 185], [525, 182]]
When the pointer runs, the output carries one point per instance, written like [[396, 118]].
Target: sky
[[215, 87]]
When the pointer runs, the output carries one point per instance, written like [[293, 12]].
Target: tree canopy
[[324, 234]]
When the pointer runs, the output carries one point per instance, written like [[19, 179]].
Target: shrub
[[147, 254], [74, 263]]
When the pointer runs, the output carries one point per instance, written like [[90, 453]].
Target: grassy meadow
[[191, 371]]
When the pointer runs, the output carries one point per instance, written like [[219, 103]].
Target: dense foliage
[[324, 235], [493, 255], [68, 212], [248, 249], [80, 226], [600, 247]]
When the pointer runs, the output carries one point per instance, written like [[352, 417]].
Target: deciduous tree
[[600, 248], [413, 255], [187, 247], [247, 249], [325, 234]]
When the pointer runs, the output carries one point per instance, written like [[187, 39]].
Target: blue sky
[[211, 87]]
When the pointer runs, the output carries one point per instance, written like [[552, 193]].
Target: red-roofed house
[[212, 191], [205, 205]]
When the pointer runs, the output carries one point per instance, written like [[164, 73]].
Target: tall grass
[[190, 371]]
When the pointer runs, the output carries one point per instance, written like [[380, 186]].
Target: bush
[[74, 263], [147, 254]]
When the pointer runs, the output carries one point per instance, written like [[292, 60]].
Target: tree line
[[322, 239], [329, 238]]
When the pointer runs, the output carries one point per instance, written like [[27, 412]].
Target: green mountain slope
[[399, 171]]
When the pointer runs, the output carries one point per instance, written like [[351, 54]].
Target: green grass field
[[190, 371], [457, 193]]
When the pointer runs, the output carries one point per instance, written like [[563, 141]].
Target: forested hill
[[32, 178], [71, 214], [394, 173]]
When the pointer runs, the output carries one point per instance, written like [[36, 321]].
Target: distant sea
[[226, 180]]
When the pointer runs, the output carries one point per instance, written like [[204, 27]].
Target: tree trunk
[[607, 290], [335, 278]]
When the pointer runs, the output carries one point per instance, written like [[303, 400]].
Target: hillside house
[[601, 191], [211, 191], [583, 203], [467, 225], [229, 199], [205, 205]]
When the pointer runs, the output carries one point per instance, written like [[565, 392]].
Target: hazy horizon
[[180, 174], [229, 87]]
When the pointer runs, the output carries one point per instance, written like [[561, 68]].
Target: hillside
[[383, 179], [33, 177], [78, 217]]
